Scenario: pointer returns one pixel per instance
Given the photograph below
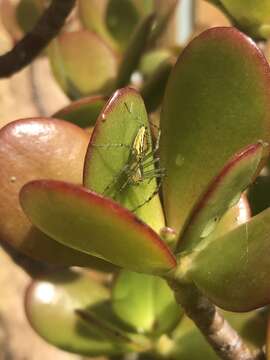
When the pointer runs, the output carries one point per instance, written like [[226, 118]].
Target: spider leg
[[152, 162], [154, 172], [110, 145], [126, 183], [150, 154], [155, 192], [115, 179]]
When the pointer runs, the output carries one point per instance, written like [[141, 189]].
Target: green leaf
[[93, 14], [235, 216], [121, 20], [145, 302], [233, 270], [51, 305], [153, 89], [162, 22], [217, 101], [82, 63], [144, 7], [85, 221], [109, 162], [253, 17], [134, 51], [27, 13], [223, 192], [83, 112], [33, 149], [151, 60]]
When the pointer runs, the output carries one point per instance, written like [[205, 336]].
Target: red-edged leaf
[[87, 222], [224, 192]]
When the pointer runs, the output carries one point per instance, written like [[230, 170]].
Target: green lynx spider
[[140, 158]]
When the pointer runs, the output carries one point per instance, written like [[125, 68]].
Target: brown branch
[[36, 40], [224, 340]]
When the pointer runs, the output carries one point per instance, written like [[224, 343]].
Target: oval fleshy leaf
[[203, 121], [145, 7], [223, 192], [235, 216], [253, 17], [85, 221], [153, 89], [151, 60], [110, 166], [27, 13], [51, 305], [134, 51], [33, 149], [93, 14], [145, 302], [121, 20], [233, 270], [82, 63], [162, 21], [83, 112]]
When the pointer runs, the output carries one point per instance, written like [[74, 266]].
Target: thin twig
[[36, 40], [224, 340]]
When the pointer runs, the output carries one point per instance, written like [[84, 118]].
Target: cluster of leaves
[[90, 198], [137, 313], [122, 35], [249, 16]]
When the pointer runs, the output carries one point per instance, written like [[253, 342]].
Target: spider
[[142, 164]]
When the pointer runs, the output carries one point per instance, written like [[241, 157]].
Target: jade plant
[[122, 35], [250, 16], [155, 205]]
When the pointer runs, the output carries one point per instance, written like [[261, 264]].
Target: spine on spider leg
[[148, 199], [110, 145]]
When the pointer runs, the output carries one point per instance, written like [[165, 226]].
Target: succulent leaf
[[33, 149], [224, 192], [109, 162], [134, 51], [88, 222], [233, 270], [145, 302], [121, 19], [82, 63], [93, 14], [216, 102], [83, 112], [51, 304], [250, 16]]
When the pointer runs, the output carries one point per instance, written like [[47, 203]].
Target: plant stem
[[36, 40], [224, 340]]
